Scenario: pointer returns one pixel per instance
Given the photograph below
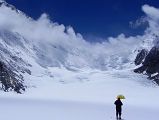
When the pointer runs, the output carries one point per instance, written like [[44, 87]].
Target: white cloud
[[153, 18], [151, 12], [71, 48], [142, 21]]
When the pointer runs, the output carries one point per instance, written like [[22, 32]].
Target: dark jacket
[[118, 104]]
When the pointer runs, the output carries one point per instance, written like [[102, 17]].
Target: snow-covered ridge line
[[30, 47], [60, 45], [5, 4]]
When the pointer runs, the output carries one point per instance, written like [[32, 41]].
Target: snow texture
[[72, 79], [86, 95]]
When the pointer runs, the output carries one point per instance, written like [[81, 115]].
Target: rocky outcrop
[[150, 65], [141, 56], [10, 80], [13, 65]]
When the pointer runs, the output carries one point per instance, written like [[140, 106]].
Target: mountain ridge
[[30, 47]]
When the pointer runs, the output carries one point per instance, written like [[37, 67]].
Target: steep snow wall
[[55, 45], [30, 47]]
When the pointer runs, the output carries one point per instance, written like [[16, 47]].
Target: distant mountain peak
[[4, 3]]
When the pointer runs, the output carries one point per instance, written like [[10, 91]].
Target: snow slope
[[70, 78], [86, 95], [50, 44]]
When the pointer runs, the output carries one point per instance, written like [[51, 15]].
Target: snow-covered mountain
[[68, 78], [30, 48], [55, 45]]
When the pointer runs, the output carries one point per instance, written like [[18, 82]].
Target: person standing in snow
[[118, 104]]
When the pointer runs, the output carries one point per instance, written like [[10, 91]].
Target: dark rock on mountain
[[151, 63], [141, 56], [155, 78], [12, 64], [10, 80]]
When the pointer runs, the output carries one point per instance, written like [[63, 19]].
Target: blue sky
[[91, 18]]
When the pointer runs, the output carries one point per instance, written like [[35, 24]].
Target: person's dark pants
[[118, 113]]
